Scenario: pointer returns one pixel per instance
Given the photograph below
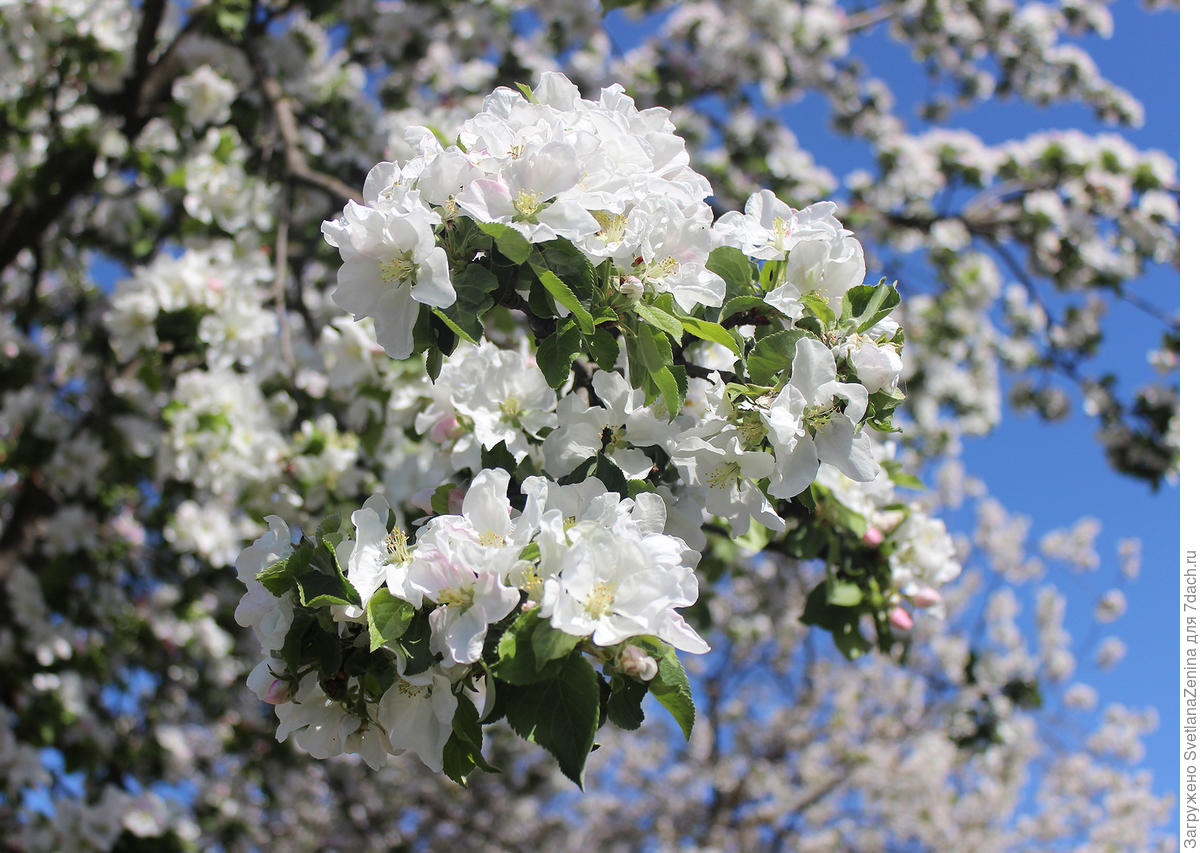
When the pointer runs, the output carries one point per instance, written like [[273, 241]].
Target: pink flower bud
[[636, 662], [454, 500], [446, 429], [925, 596], [900, 619], [873, 537], [528, 605], [279, 692]]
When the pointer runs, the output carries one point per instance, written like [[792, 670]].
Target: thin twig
[[870, 17], [294, 157]]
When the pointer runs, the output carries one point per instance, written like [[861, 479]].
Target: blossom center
[[456, 596], [490, 537], [779, 229], [612, 226], [510, 410], [532, 582], [397, 551], [600, 600], [398, 269], [723, 475], [817, 417], [662, 267], [411, 690], [527, 203]]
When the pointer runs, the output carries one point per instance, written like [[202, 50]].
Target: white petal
[[812, 367]]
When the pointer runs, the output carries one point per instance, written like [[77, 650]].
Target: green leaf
[[660, 319], [572, 266], [556, 354], [650, 345], [771, 274], [850, 640], [817, 610], [559, 290], [807, 542], [440, 502], [463, 751], [733, 266], [388, 617], [867, 305], [318, 589], [672, 689], [473, 287], [498, 456], [414, 646], [772, 354], [519, 662], [900, 477], [741, 304], [509, 242], [525, 90], [603, 349], [280, 576], [550, 644], [714, 332], [625, 702], [844, 594], [754, 539], [560, 715], [433, 363], [818, 306], [311, 643]]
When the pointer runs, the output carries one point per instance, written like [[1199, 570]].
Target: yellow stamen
[[399, 269], [600, 600]]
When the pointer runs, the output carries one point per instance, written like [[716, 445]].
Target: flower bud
[[873, 537], [446, 429], [900, 619], [925, 596], [454, 501], [636, 662], [632, 286], [278, 692]]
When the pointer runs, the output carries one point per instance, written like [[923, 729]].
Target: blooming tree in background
[[574, 382]]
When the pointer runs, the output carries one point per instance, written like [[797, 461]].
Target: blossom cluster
[[687, 379]]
